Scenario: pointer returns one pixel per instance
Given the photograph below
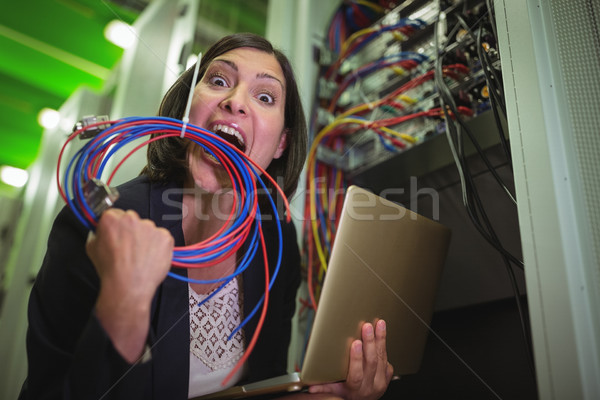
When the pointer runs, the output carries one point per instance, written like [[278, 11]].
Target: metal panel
[[554, 142]]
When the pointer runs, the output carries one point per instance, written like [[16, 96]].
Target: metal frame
[[554, 221]]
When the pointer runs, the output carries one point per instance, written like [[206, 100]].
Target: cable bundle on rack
[[87, 196], [326, 182], [456, 131], [351, 16], [367, 95], [376, 96]]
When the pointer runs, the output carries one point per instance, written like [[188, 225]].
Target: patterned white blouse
[[212, 356]]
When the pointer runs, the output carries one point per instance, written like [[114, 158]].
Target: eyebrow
[[262, 75]]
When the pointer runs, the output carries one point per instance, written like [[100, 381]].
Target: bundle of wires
[[90, 162], [326, 183], [455, 130], [362, 38], [406, 60], [350, 17]]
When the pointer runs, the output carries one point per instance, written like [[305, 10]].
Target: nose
[[235, 102]]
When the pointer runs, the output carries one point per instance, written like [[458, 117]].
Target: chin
[[210, 178]]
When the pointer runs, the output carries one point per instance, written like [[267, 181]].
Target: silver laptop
[[385, 263]]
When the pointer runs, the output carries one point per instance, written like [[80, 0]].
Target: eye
[[266, 98], [217, 80]]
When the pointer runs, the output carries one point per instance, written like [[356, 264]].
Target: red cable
[[262, 315]]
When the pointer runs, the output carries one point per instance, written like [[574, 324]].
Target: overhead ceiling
[[48, 48]]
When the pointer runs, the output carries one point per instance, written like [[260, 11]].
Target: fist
[[131, 255]]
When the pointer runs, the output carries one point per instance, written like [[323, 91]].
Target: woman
[[104, 321]]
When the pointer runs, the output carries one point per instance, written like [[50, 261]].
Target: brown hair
[[167, 159]]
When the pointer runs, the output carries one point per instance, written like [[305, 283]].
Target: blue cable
[[122, 133], [275, 272], [417, 24]]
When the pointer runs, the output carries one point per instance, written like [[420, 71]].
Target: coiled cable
[[247, 178]]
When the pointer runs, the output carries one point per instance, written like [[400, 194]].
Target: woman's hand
[[130, 254], [132, 257], [369, 373]]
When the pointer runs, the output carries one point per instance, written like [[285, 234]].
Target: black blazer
[[71, 357]]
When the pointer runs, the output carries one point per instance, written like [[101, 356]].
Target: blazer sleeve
[[70, 355]]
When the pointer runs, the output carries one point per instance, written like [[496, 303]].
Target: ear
[[283, 143]]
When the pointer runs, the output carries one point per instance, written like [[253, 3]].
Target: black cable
[[455, 139], [491, 70], [490, 11], [460, 22], [523, 318], [492, 78], [450, 100], [470, 194], [469, 190], [494, 83], [485, 64], [490, 73], [467, 183], [443, 90], [481, 153], [493, 97]]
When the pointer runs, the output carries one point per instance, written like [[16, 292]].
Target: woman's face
[[241, 97]]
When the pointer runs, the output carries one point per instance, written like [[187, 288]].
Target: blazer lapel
[[170, 311]]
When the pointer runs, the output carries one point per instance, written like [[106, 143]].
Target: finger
[[335, 389], [354, 379], [389, 374], [108, 220], [131, 213], [312, 396], [111, 214], [381, 347], [355, 369], [380, 340], [323, 388], [370, 357], [166, 240], [90, 245]]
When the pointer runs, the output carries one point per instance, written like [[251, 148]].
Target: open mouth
[[230, 135]]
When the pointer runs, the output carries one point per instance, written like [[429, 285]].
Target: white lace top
[[212, 356]]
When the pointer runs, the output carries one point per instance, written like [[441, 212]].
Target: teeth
[[229, 131]]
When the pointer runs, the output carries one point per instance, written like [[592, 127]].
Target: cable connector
[[90, 120], [99, 196]]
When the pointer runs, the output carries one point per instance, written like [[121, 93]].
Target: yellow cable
[[311, 172], [312, 185], [359, 108], [407, 99], [398, 70], [399, 36], [404, 136], [338, 180], [372, 6], [353, 37]]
